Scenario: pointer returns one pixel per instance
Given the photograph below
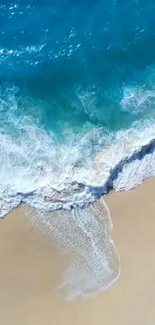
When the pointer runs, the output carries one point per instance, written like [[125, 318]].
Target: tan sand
[[31, 270]]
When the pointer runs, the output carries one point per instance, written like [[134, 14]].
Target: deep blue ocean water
[[77, 96], [51, 50]]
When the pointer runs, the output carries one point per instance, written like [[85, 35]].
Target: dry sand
[[31, 269]]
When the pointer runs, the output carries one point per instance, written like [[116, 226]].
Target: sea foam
[[50, 175]]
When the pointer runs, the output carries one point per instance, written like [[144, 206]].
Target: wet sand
[[31, 269]]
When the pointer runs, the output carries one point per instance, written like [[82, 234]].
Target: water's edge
[[95, 192]]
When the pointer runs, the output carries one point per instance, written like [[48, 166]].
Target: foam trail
[[83, 236]]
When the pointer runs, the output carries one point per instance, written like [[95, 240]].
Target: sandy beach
[[31, 269]]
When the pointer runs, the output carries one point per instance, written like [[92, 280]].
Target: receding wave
[[83, 236]]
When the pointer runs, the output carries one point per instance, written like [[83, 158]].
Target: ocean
[[77, 96]]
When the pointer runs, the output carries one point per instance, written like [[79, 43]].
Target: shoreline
[[31, 269], [78, 193]]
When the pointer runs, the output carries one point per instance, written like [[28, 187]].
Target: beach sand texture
[[31, 269]]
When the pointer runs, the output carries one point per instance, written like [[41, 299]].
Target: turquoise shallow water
[[77, 96]]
